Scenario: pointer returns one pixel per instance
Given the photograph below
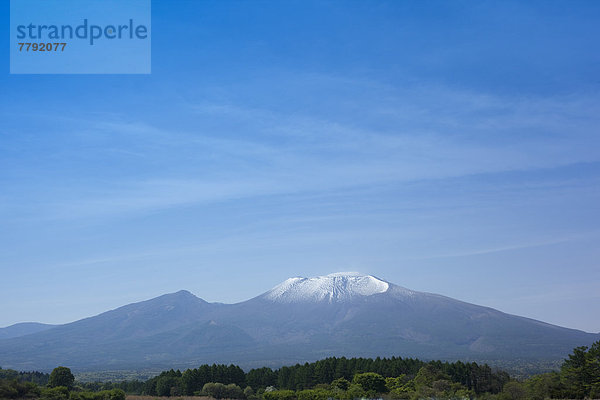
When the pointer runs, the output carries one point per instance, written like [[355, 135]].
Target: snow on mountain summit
[[331, 288]]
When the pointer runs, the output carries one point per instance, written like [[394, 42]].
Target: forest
[[330, 378]]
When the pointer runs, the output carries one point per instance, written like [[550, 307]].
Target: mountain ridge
[[23, 328], [301, 319]]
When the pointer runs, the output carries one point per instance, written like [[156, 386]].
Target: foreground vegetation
[[331, 378], [59, 385]]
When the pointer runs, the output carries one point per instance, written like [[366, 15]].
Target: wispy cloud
[[422, 133], [500, 249]]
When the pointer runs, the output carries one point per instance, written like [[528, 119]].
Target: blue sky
[[449, 147]]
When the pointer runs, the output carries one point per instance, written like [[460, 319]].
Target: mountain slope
[[399, 321], [301, 319], [22, 329]]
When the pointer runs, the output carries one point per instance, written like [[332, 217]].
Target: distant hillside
[[302, 319], [22, 329]]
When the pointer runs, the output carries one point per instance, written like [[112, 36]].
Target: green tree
[[424, 392], [8, 389], [280, 395], [249, 392], [442, 386], [13, 389], [395, 383], [428, 374], [370, 382], [593, 367], [513, 391], [544, 386], [354, 392], [581, 372], [113, 394], [314, 394], [261, 378], [233, 391], [61, 376], [55, 393], [167, 385], [220, 391], [341, 383]]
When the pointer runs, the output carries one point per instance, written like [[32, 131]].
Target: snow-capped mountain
[[301, 319], [337, 287]]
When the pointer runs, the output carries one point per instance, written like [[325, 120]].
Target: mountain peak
[[302, 318], [184, 293], [336, 287]]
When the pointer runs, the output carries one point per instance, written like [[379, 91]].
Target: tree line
[[478, 378], [59, 385], [330, 378], [36, 377]]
